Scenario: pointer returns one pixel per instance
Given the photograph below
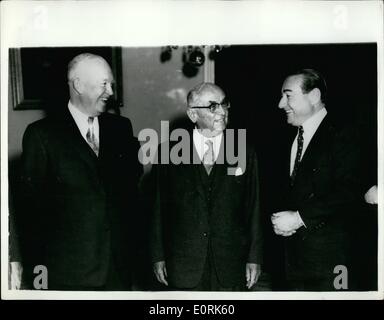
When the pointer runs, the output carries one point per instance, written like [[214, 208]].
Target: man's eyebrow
[[287, 90], [211, 101], [107, 80]]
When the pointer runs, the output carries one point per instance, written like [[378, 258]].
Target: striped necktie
[[209, 157], [91, 139], [300, 143]]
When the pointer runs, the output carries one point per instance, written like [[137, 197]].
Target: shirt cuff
[[301, 222]]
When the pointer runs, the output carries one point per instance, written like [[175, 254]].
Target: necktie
[[300, 142], [209, 157], [91, 139]]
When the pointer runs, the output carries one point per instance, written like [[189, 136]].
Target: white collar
[[76, 113], [199, 141], [310, 125], [81, 120]]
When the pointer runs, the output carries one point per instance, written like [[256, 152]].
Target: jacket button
[[205, 234]]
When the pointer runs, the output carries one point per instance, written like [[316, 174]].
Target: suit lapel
[[319, 140], [288, 148], [195, 167], [103, 135], [220, 168], [75, 140]]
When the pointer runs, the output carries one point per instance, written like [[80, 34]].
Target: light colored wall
[[154, 91]]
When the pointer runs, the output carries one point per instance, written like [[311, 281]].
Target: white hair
[[73, 65]]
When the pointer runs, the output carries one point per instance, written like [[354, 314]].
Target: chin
[[291, 122], [217, 131], [101, 109]]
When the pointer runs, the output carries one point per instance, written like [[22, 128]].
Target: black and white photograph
[[228, 160]]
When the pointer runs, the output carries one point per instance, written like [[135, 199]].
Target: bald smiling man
[[79, 188], [206, 232]]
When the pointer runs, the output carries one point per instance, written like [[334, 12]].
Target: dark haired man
[[321, 188]]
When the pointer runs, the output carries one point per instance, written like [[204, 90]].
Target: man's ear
[[192, 115], [78, 85], [315, 96]]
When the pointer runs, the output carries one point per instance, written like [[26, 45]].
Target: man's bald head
[[202, 89], [82, 63]]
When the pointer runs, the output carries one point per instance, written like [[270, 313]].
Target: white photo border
[[158, 23]]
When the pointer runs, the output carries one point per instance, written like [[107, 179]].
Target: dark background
[[252, 77]]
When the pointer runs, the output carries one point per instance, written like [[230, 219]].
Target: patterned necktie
[[91, 139], [209, 157], [300, 143]]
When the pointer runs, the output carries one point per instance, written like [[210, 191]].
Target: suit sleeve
[[14, 247], [33, 188], [138, 168], [337, 189], [156, 224], [253, 210]]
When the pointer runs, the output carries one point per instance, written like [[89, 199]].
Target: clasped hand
[[285, 223]]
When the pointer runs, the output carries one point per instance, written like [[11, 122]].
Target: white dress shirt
[[81, 120], [310, 126], [201, 147]]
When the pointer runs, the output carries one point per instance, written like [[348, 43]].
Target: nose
[[221, 110], [109, 89], [282, 102]]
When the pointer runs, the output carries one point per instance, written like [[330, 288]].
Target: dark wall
[[252, 77]]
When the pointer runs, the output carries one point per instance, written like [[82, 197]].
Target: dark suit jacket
[[325, 193], [187, 217], [77, 208]]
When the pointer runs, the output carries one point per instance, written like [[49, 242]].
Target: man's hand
[[371, 195], [283, 233], [252, 273], [16, 272], [285, 223], [160, 272]]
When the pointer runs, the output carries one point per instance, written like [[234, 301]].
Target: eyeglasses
[[213, 105]]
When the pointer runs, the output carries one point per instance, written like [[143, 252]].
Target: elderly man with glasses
[[205, 233]]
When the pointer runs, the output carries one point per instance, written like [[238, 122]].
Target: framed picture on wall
[[38, 76]]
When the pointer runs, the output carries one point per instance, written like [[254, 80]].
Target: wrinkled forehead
[[95, 69], [209, 94]]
